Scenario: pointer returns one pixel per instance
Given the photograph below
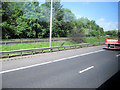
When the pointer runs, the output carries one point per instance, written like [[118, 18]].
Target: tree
[[9, 16], [77, 34], [112, 33], [31, 20], [24, 19]]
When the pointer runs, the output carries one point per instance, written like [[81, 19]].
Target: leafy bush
[[77, 35]]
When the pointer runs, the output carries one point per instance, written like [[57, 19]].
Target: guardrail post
[[75, 46], [80, 46], [21, 54], [8, 56], [50, 50], [32, 53], [42, 51]]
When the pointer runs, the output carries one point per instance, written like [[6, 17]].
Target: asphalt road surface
[[79, 68]]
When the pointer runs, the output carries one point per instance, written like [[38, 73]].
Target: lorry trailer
[[112, 43]]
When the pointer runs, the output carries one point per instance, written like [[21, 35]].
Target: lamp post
[[50, 38]]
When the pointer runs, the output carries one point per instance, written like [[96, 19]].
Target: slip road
[[86, 70]]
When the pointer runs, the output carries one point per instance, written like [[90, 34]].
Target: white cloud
[[101, 20], [78, 16], [107, 25], [111, 26]]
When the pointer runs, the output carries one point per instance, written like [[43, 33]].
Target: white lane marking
[[50, 62], [118, 55], [86, 69]]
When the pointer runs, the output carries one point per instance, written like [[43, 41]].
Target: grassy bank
[[35, 45], [93, 40], [46, 44], [18, 40]]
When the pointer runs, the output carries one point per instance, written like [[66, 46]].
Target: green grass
[[13, 40], [34, 45], [93, 40], [24, 46], [43, 45], [18, 40], [46, 44]]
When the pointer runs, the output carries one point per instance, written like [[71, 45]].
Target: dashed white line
[[49, 62], [118, 55], [86, 69]]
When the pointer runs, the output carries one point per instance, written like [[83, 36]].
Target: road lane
[[17, 62], [11, 70], [64, 74]]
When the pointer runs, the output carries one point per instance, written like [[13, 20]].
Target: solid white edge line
[[86, 69], [49, 62]]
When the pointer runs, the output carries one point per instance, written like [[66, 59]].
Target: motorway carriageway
[[78, 68]]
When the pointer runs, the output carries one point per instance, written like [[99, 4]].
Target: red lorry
[[112, 43]]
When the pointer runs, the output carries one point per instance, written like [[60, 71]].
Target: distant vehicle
[[112, 43]]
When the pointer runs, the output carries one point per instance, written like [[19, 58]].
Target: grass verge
[[35, 45], [43, 45]]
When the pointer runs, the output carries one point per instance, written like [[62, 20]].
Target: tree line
[[32, 20], [112, 33]]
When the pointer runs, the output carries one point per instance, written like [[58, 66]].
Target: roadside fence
[[50, 49]]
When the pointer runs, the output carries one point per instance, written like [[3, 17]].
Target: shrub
[[77, 35]]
